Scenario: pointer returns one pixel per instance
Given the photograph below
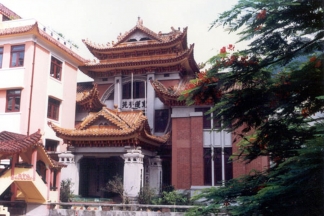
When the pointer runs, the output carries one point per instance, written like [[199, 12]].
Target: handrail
[[136, 206]]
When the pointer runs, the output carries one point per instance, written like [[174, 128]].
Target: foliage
[[172, 198], [66, 192], [116, 185], [146, 195], [271, 98]]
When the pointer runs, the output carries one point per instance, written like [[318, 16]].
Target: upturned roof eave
[[139, 63], [96, 50]]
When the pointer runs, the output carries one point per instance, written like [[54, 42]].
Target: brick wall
[[240, 167], [187, 152]]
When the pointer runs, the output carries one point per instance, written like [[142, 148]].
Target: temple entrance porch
[[96, 172], [91, 168]]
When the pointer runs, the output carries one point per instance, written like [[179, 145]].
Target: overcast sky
[[101, 21]]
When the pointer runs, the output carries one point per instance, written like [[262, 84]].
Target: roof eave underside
[[186, 58]]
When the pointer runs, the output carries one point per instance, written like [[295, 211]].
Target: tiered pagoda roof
[[111, 128], [13, 143], [87, 97], [141, 51]]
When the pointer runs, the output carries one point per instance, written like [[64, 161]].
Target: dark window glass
[[41, 170], [13, 100], [161, 120], [208, 123], [138, 90], [56, 68], [206, 118], [17, 56], [51, 145], [207, 167], [53, 109], [1, 56], [228, 166]]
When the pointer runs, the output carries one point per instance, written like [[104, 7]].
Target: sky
[[101, 21]]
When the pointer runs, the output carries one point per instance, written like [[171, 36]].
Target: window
[[208, 123], [138, 90], [51, 145], [53, 109], [13, 100], [1, 56], [214, 167], [17, 56], [56, 68], [161, 120]]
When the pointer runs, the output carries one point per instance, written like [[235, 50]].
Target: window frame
[[218, 165], [56, 68], [53, 109], [208, 121], [17, 52], [51, 145], [14, 95], [138, 90]]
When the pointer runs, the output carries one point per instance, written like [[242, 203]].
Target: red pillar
[[14, 160], [58, 183], [34, 162], [52, 179], [48, 180], [13, 189]]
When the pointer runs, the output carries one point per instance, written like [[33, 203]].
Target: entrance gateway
[[110, 143]]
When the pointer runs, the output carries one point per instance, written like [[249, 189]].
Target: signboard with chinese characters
[[23, 177], [23, 174], [136, 104]]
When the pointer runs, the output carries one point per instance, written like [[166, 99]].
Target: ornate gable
[[111, 128], [137, 34]]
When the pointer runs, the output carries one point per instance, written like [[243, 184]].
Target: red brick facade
[[187, 152]]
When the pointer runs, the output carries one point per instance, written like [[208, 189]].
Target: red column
[[13, 189], [52, 179], [58, 183], [34, 162], [14, 160], [48, 180]]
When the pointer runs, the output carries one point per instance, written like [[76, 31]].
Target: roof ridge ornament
[[139, 21]]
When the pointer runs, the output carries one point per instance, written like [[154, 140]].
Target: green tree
[[274, 89], [66, 192]]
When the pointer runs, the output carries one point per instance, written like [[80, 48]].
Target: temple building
[[129, 121]]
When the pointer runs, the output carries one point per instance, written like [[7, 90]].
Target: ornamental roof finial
[[139, 21]]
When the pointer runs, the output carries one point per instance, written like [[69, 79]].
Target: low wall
[[68, 212]]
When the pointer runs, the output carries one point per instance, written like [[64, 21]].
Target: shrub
[[173, 198], [66, 192], [145, 195]]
